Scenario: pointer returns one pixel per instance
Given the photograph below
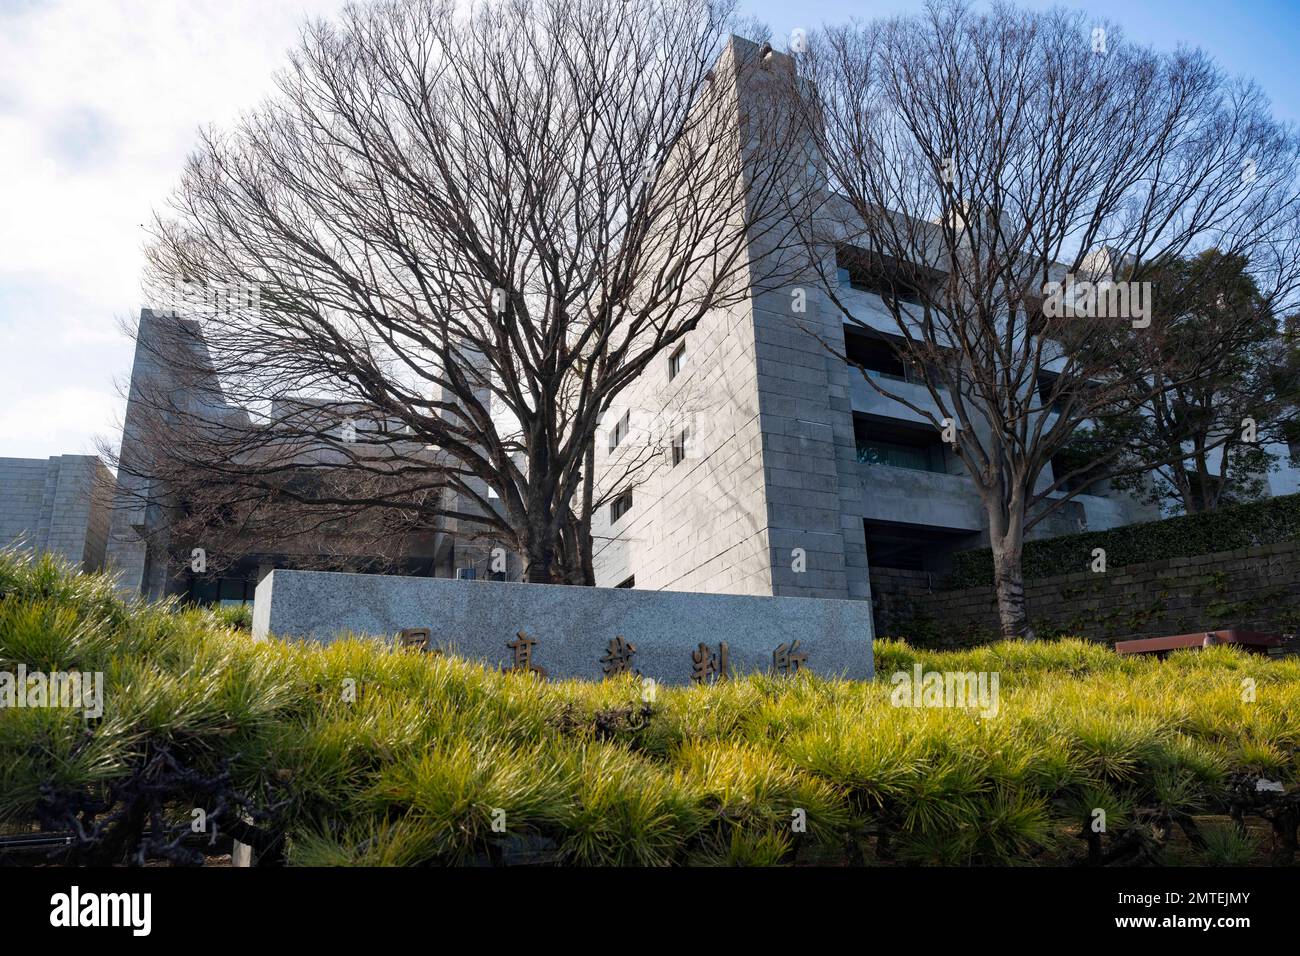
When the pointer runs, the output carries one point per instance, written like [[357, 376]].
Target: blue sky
[[1258, 38], [100, 99]]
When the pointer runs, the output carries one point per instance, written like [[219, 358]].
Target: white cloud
[[99, 104], [61, 420]]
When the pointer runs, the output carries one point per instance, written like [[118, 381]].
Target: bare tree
[[354, 500], [978, 165], [477, 229]]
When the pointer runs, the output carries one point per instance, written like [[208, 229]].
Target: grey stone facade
[[132, 554], [572, 626], [143, 549], [772, 495], [57, 505], [775, 496]]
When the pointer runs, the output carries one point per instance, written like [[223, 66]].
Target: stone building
[[58, 505], [773, 467], [143, 548], [765, 464]]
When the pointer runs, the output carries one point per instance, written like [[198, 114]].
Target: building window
[[234, 591], [629, 583], [620, 430], [1211, 484], [620, 506], [1048, 395], [881, 356], [208, 591], [855, 269], [466, 574], [1085, 481], [874, 355], [917, 449], [676, 361], [876, 451], [679, 446]]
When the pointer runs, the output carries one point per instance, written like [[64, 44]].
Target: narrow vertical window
[[679, 446], [676, 361], [620, 430], [620, 506]]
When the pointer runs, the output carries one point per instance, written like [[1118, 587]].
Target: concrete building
[[147, 553], [776, 469], [58, 505], [766, 465], [799, 476]]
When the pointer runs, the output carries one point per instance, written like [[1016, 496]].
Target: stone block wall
[[1251, 588], [57, 505], [571, 632]]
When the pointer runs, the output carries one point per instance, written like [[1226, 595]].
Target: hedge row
[[435, 761], [1227, 529]]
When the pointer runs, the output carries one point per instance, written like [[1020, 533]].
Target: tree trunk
[[1007, 538], [574, 561], [586, 551], [1009, 580], [1202, 478], [538, 570], [539, 556], [575, 558]]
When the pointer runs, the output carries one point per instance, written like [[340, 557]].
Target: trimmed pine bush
[[362, 754]]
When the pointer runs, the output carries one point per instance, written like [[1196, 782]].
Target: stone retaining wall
[[573, 627], [1252, 589]]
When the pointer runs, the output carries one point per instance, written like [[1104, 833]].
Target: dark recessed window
[[629, 583], [881, 357], [676, 361], [876, 356], [914, 448], [620, 506], [1067, 463], [679, 446], [855, 269], [207, 590], [878, 451], [1048, 393], [620, 430]]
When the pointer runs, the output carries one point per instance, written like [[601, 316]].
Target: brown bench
[[1254, 642]]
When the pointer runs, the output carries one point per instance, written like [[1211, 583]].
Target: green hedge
[[1241, 526], [416, 766]]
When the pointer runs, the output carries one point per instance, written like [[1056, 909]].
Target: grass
[[360, 754], [238, 616]]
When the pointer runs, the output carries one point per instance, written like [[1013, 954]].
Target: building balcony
[[909, 496]]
